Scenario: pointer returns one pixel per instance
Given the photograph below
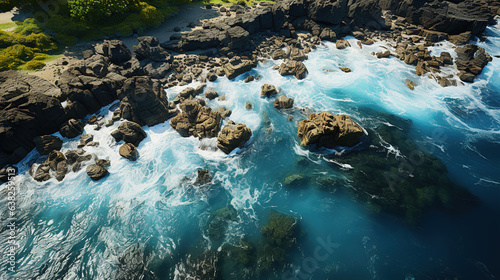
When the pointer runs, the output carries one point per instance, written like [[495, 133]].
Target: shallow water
[[80, 229]]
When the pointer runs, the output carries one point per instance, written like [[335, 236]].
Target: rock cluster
[[470, 62], [328, 130], [129, 132], [196, 120]]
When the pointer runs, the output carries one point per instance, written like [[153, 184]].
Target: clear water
[[78, 229]]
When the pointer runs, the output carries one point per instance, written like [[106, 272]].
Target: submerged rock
[[218, 222], [203, 177], [328, 130], [295, 180], [232, 136]]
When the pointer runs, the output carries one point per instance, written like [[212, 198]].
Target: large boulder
[[330, 11], [143, 101], [268, 90], [233, 135], [129, 151], [283, 102], [115, 50], [25, 112], [293, 67], [470, 62], [129, 132], [47, 143], [328, 130], [196, 120], [96, 172], [237, 66]]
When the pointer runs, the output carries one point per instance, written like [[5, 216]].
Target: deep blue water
[[77, 228]]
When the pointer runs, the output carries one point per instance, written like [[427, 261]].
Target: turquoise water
[[80, 229]]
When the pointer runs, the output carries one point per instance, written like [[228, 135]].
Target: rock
[[212, 77], [249, 79], [446, 58], [283, 102], [224, 112], [149, 48], [143, 101], [267, 90], [345, 69], [293, 67], [72, 128], [342, 44], [410, 84], [461, 39], [297, 54], [96, 172], [129, 132], [77, 156], [237, 66], [328, 130], [434, 36], [295, 180], [129, 151], [328, 35], [85, 139], [196, 120], [470, 61], [248, 105], [55, 162], [232, 136], [115, 50], [384, 54], [278, 54], [103, 162], [211, 94], [47, 143], [203, 177], [25, 112]]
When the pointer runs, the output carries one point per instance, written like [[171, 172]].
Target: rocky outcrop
[[13, 83], [196, 120], [54, 165], [75, 158], [128, 151], [283, 102], [342, 44], [72, 128], [293, 67], [471, 60], [115, 50], [96, 172], [328, 130], [211, 94], [232, 136], [143, 101], [47, 143], [129, 132], [25, 112], [149, 48], [268, 90], [237, 66]]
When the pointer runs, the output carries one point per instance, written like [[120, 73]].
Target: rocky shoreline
[[229, 45]]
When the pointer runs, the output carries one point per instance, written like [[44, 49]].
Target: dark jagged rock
[[211, 94], [115, 50], [232, 136], [96, 172], [47, 143], [13, 83], [25, 112], [342, 44], [72, 128], [224, 112], [268, 90], [56, 162], [129, 132], [283, 102], [143, 101], [196, 120], [85, 139], [328, 130], [470, 61], [203, 177], [128, 151], [293, 67], [149, 48]]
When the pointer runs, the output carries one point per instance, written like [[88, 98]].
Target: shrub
[[98, 10], [150, 15], [35, 65], [27, 27], [21, 52]]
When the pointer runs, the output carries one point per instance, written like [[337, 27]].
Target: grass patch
[[7, 25]]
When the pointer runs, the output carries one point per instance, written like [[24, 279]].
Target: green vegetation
[[26, 44], [7, 25]]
